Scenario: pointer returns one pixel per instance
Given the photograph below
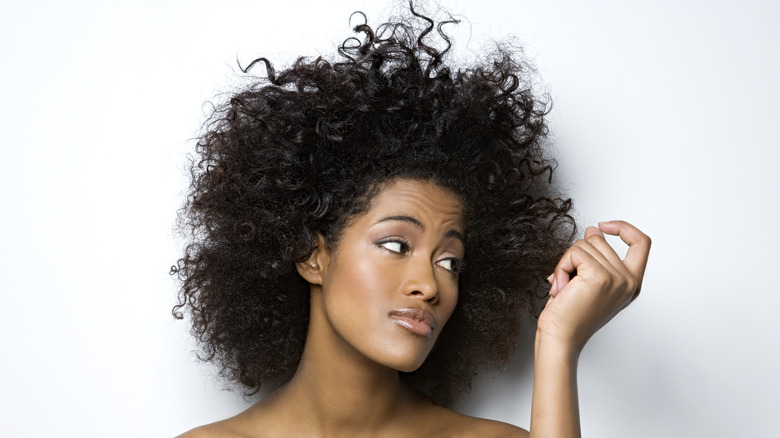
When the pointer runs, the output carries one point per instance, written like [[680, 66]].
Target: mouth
[[417, 321]]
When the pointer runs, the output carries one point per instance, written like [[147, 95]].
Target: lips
[[417, 321]]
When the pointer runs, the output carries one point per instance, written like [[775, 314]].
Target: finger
[[592, 231], [596, 238], [617, 274], [552, 283], [567, 266], [600, 257], [622, 278], [637, 241], [638, 246]]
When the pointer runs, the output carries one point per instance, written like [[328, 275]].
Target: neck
[[338, 391]]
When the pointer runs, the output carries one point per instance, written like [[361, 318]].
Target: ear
[[313, 268]]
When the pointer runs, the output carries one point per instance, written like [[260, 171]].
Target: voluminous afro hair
[[300, 152]]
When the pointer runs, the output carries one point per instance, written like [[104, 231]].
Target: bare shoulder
[[453, 424], [482, 428], [220, 429]]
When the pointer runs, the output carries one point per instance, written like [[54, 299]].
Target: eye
[[394, 245], [451, 264]]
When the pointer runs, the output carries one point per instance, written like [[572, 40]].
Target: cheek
[[356, 290], [449, 300], [364, 278]]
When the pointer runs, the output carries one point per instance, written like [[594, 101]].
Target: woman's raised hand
[[591, 284]]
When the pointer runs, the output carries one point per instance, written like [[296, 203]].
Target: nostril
[[432, 298]]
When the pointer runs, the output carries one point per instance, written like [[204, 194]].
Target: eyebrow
[[414, 221]]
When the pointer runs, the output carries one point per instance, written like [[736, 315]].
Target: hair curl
[[301, 151]]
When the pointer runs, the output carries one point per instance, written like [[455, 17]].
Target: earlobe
[[313, 268]]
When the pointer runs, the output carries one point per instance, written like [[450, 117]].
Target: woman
[[368, 233]]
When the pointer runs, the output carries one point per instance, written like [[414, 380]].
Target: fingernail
[[550, 278]]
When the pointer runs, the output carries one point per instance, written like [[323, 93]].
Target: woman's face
[[392, 282]]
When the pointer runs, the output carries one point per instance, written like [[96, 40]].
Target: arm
[[590, 285]]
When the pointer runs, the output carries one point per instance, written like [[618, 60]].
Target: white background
[[665, 114]]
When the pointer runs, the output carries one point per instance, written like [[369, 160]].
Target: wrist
[[561, 349], [555, 409]]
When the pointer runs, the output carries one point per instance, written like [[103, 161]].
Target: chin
[[405, 361], [408, 368]]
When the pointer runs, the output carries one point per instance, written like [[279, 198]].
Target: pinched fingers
[[623, 278], [638, 248], [591, 284], [595, 238], [582, 260], [607, 267]]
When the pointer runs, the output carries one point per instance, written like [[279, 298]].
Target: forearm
[[589, 286], [555, 409]]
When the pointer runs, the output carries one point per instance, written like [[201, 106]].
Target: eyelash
[[457, 264], [404, 249]]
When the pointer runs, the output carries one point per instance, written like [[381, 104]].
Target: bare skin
[[403, 254]]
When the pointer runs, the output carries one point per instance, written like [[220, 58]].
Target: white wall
[[666, 114]]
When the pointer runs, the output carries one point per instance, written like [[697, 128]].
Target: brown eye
[[451, 264], [394, 245]]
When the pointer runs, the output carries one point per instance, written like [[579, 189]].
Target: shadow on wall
[[505, 395]]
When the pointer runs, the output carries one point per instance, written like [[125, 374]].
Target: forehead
[[426, 200]]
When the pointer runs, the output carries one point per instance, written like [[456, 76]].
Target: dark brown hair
[[301, 151]]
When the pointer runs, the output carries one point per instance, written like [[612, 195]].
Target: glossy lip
[[418, 321]]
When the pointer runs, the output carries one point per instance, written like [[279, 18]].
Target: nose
[[420, 281]]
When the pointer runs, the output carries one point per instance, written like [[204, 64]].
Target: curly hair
[[298, 153]]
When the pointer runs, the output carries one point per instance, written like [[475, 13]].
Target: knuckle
[[631, 285], [643, 238], [595, 238], [621, 283], [601, 276]]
